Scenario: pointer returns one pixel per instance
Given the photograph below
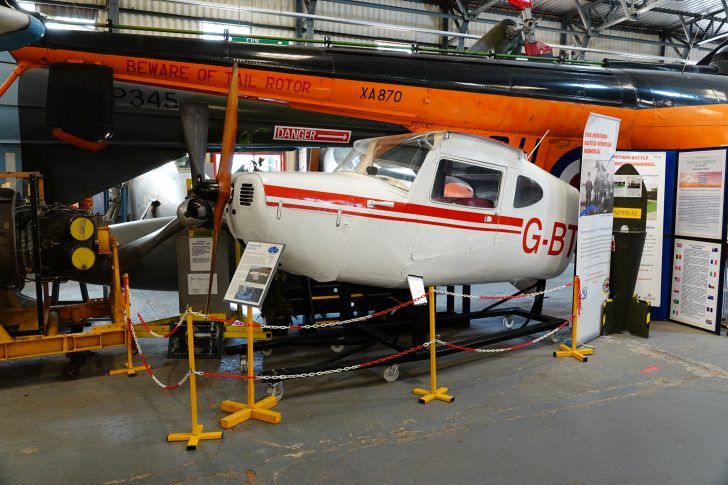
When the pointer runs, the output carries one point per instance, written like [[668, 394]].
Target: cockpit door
[[459, 210]]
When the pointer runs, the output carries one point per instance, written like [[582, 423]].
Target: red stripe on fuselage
[[391, 218], [400, 207]]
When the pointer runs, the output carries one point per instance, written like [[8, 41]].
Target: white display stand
[[254, 273]]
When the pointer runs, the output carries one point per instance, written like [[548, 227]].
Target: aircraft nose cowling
[[248, 208]]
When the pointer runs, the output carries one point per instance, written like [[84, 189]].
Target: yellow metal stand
[[129, 368], [252, 410], [194, 437], [566, 351], [434, 392]]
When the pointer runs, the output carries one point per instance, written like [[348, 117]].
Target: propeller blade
[[224, 170], [195, 123]]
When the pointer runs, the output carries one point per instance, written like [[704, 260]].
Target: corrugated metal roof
[[421, 20]]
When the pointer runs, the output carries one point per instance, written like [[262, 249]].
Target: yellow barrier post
[[434, 392], [572, 351], [252, 410], [129, 369], [194, 437]]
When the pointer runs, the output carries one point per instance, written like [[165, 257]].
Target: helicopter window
[[528, 192], [466, 184]]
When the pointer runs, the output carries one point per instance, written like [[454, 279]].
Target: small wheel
[[267, 352], [71, 371], [337, 349], [556, 336], [391, 373], [276, 390], [508, 321], [243, 365]]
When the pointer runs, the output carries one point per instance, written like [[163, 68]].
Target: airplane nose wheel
[[391, 373], [276, 390], [508, 321]]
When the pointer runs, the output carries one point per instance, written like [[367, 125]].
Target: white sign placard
[[254, 273], [596, 201], [200, 253], [695, 283], [652, 167], [197, 283], [699, 207], [417, 289]]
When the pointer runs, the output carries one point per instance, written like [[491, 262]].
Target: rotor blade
[[195, 124], [223, 171]]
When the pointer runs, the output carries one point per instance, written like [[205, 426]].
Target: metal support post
[[129, 369], [572, 351], [35, 232], [252, 410], [194, 437], [434, 392]]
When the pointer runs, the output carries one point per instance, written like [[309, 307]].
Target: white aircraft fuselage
[[451, 208]]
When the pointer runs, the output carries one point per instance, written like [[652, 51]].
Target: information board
[[596, 203], [652, 167], [700, 194], [254, 273], [696, 269]]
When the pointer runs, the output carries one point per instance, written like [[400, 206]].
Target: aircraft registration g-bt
[[449, 207]]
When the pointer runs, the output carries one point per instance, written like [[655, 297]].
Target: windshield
[[392, 159]]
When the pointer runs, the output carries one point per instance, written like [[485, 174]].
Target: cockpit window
[[395, 160], [466, 184], [528, 192]]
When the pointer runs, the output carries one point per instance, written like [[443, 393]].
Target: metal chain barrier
[[166, 335], [577, 290], [318, 373], [314, 325], [507, 297], [501, 349], [330, 324], [147, 367], [151, 332]]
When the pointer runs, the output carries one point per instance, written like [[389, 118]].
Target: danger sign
[[295, 133]]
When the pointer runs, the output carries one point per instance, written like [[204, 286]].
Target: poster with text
[[699, 206], [200, 253], [695, 283], [652, 167], [596, 202], [254, 273]]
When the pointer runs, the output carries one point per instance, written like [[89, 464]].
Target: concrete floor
[[640, 411]]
